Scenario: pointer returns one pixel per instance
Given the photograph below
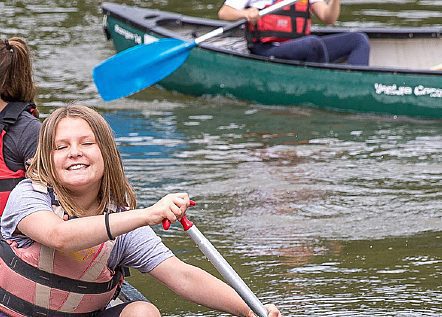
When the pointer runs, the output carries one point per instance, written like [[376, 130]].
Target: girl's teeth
[[76, 167]]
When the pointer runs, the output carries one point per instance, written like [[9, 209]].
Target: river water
[[321, 213]]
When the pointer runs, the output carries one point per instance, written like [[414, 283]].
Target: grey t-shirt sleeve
[[140, 249], [22, 202]]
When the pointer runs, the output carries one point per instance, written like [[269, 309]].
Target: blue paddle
[[144, 65]]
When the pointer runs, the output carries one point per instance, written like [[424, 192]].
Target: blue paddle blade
[[139, 67]]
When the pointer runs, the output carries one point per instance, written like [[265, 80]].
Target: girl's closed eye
[[60, 147]]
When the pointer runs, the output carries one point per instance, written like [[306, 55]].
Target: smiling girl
[[73, 267]]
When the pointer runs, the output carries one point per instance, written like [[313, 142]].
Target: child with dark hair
[[19, 125]]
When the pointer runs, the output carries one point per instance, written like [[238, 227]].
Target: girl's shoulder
[[27, 185], [26, 191]]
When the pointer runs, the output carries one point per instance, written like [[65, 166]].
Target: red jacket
[[288, 23]]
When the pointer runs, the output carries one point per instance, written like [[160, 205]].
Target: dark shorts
[[114, 311]]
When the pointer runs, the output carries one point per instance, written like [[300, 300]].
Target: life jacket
[[40, 281], [9, 179], [290, 22]]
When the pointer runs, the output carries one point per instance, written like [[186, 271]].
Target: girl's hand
[[271, 309], [172, 207], [13, 244], [251, 14]]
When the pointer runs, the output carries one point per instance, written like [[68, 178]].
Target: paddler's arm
[[81, 233], [229, 13], [198, 286], [77, 234], [327, 12]]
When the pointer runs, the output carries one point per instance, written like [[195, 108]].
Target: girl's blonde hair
[[114, 188]]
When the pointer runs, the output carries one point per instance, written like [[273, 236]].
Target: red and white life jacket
[[9, 179], [290, 22], [40, 281]]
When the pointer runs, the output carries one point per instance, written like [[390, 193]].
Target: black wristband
[[106, 222]]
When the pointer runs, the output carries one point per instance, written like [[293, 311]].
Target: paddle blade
[[139, 67]]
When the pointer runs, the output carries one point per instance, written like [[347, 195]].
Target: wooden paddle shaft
[[227, 272], [234, 25]]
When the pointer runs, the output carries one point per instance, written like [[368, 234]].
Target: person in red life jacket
[[19, 125], [286, 33], [73, 223]]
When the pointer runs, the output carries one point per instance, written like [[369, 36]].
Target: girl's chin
[[79, 184]]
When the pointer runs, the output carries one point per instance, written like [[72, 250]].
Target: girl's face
[[77, 158]]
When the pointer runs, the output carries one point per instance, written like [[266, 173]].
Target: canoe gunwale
[[150, 21], [129, 293]]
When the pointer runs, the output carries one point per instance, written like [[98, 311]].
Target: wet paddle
[[144, 65], [221, 265]]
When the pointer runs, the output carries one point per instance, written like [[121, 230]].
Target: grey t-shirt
[[141, 248], [20, 141]]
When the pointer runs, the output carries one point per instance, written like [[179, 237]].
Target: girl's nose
[[75, 151]]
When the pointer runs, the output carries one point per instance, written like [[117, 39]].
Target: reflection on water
[[370, 278], [322, 213], [337, 214]]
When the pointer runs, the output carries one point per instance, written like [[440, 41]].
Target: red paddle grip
[[186, 223]]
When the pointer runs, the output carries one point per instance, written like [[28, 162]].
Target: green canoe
[[401, 80]]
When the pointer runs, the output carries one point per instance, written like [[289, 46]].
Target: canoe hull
[[209, 71]]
